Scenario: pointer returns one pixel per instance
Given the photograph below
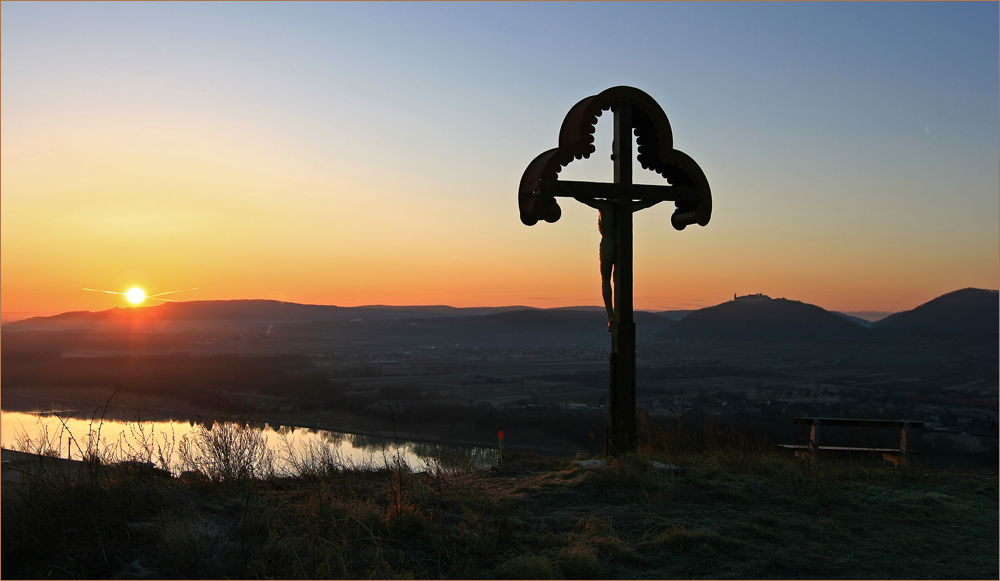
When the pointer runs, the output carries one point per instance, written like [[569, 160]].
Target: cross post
[[621, 399], [635, 114]]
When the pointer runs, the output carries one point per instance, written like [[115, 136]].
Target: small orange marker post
[[500, 436]]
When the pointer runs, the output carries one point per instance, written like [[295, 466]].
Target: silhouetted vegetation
[[687, 505]]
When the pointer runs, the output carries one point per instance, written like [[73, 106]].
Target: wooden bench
[[897, 456]]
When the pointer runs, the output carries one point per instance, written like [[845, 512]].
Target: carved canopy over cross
[[688, 186]]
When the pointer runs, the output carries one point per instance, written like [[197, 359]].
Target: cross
[[634, 112]]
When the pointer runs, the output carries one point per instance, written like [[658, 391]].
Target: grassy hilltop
[[721, 511]]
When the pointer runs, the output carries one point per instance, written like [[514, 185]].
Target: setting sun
[[135, 295]]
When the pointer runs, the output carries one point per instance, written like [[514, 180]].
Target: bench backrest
[[864, 423]]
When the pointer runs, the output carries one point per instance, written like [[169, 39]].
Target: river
[[288, 446]]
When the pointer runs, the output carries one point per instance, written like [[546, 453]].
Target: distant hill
[[970, 310], [863, 322], [184, 315], [759, 317], [516, 329], [235, 315], [493, 327], [674, 315], [869, 316]]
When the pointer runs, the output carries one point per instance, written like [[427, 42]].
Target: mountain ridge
[[748, 317], [759, 317], [968, 310]]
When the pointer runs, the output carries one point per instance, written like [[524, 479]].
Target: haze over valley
[[444, 374]]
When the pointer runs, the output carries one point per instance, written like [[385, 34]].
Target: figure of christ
[[606, 226]]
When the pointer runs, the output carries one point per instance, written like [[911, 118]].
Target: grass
[[735, 509]]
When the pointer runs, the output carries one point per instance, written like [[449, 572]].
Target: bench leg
[[904, 452], [814, 442]]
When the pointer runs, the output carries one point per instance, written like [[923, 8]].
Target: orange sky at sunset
[[250, 158]]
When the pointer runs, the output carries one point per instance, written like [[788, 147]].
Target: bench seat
[[843, 448]]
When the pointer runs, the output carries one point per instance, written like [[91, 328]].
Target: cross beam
[[571, 189]]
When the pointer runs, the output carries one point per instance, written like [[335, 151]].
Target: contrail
[[103, 291], [170, 293], [146, 296]]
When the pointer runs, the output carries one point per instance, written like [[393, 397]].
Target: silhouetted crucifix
[[636, 113]]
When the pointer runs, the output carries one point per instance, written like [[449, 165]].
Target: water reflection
[[333, 438], [371, 443], [454, 458], [291, 449]]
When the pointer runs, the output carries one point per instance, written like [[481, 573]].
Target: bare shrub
[[44, 443], [227, 451], [312, 459], [146, 447]]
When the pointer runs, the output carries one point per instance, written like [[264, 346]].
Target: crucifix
[[635, 114]]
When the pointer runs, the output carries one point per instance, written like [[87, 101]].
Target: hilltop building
[[754, 298]]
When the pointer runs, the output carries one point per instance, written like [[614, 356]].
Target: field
[[543, 399]]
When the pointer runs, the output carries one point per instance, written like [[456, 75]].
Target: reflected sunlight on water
[[68, 437]]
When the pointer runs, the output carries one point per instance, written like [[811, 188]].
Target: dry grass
[[734, 511]]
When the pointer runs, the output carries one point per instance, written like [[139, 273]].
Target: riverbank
[[726, 514], [16, 466]]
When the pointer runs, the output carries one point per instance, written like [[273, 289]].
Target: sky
[[370, 153]]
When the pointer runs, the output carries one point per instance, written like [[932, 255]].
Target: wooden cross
[[634, 111]]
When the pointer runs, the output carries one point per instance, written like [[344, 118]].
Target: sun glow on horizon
[[135, 295]]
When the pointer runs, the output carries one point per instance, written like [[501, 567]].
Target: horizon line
[[7, 317]]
